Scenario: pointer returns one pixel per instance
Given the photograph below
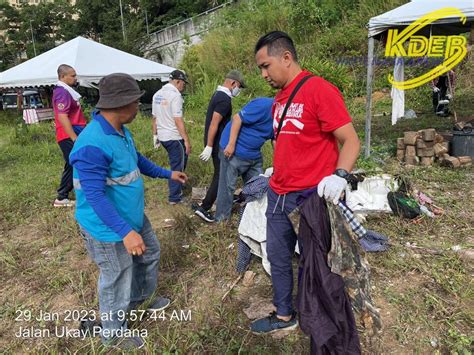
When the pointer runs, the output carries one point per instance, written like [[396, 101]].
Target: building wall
[[169, 45]]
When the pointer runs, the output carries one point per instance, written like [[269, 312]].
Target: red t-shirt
[[306, 150], [64, 103]]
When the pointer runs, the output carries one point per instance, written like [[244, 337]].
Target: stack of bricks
[[426, 146]]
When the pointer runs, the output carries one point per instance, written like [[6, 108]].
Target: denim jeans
[[125, 281], [230, 170], [178, 159]]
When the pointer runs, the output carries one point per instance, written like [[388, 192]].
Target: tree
[[48, 23], [100, 20], [55, 22]]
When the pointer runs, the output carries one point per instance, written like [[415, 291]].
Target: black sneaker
[[159, 303], [272, 324], [87, 327], [205, 215]]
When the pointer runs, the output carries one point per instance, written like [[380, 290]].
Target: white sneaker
[[64, 203]]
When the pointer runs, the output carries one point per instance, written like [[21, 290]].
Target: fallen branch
[[231, 287], [424, 250]]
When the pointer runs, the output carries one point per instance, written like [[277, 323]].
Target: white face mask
[[235, 91]]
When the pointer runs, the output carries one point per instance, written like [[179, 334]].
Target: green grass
[[44, 265]]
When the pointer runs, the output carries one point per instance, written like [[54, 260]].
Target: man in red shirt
[[70, 121], [306, 155]]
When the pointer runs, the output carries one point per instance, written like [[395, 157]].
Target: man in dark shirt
[[218, 115]]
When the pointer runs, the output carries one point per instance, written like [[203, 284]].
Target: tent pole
[[370, 75]]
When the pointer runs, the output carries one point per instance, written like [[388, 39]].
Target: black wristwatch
[[342, 173]]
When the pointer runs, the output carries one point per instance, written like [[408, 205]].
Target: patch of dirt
[[390, 312], [376, 96], [38, 264], [259, 307], [159, 216]]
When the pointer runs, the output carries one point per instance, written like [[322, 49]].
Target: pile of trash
[[389, 194]]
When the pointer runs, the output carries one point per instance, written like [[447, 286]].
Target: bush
[[335, 73], [230, 45]]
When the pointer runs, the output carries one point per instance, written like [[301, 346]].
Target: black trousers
[[66, 185], [211, 194]]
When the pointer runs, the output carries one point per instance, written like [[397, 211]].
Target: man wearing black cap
[[110, 209], [219, 112], [169, 130]]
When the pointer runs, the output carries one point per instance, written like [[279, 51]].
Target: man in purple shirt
[[69, 121]]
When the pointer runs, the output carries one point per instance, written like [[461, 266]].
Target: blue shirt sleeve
[[150, 169], [92, 164]]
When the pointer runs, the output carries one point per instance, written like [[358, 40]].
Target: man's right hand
[[436, 89], [134, 243], [179, 176], [206, 153], [156, 141]]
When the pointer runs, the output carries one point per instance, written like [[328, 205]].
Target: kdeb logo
[[452, 48]]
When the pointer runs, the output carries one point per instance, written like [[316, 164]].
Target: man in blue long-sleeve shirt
[[110, 209]]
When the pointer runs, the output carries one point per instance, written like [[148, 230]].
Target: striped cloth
[[30, 116], [353, 222]]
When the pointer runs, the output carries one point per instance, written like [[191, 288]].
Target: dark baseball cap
[[237, 76], [118, 90], [178, 75]]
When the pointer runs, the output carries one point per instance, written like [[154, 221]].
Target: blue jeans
[[230, 170], [125, 281], [178, 159], [281, 241]]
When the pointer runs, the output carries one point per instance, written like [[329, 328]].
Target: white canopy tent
[[90, 59], [400, 18]]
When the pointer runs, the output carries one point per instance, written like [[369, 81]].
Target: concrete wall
[[168, 45]]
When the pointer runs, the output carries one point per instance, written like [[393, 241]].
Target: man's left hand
[[187, 146], [229, 151], [332, 187], [179, 176]]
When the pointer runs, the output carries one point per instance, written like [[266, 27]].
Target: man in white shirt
[[169, 130]]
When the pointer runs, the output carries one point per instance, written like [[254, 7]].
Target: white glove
[[206, 153], [332, 187], [449, 96], [156, 141], [436, 89]]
